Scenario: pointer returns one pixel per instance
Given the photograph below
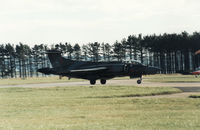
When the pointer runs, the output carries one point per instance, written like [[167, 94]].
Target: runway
[[187, 88], [195, 86]]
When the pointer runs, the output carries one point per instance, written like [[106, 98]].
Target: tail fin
[[57, 60]]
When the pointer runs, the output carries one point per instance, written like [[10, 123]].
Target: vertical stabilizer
[[57, 60]]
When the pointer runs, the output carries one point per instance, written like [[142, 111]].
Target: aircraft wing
[[89, 69]]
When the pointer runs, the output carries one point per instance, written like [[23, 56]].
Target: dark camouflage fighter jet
[[93, 71]]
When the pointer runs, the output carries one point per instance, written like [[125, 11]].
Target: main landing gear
[[93, 82], [103, 81]]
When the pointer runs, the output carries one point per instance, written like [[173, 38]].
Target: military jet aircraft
[[93, 71]]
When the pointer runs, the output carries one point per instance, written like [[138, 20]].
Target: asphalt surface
[[187, 88]]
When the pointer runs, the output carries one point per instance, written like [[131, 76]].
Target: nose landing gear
[[139, 81]]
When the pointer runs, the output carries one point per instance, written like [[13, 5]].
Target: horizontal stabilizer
[[46, 71]]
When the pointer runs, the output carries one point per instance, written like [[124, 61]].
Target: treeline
[[171, 52]]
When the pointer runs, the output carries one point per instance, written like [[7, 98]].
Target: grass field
[[97, 107]]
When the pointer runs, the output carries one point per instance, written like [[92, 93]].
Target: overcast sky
[[83, 21]]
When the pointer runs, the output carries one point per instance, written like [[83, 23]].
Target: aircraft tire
[[139, 81], [92, 82], [103, 81]]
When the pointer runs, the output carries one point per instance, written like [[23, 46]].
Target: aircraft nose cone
[[152, 70]]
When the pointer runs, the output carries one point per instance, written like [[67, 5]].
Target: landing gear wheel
[[139, 81], [92, 82], [103, 81]]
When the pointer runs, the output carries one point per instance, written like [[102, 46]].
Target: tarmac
[[187, 88]]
